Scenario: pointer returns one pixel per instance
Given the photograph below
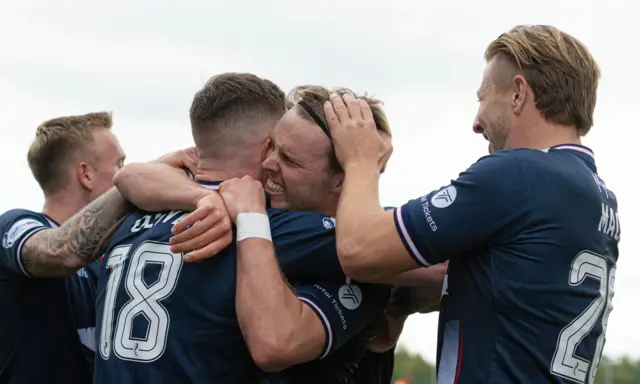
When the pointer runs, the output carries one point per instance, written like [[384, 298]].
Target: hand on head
[[355, 136]]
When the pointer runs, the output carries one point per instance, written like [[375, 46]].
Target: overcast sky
[[144, 60]]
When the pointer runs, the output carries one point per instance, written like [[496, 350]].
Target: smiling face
[[297, 174], [493, 120]]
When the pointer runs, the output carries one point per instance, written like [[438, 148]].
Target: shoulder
[[16, 222], [506, 167], [21, 213], [301, 219], [511, 158]]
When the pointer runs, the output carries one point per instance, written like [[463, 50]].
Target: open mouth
[[272, 187]]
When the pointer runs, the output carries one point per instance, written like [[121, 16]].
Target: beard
[[498, 132]]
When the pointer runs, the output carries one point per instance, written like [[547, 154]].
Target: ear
[[338, 181], [266, 148], [85, 176], [520, 94]]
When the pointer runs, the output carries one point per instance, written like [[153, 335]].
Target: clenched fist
[[243, 195]]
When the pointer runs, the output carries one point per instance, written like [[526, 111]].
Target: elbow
[[271, 355], [356, 265], [124, 174], [130, 182]]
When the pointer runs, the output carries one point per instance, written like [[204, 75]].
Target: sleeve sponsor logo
[[18, 229], [444, 197], [350, 296]]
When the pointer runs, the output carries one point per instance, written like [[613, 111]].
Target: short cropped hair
[[314, 97], [231, 101], [60, 141], [560, 70]]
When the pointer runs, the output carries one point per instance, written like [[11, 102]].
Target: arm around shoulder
[[83, 238], [157, 187]]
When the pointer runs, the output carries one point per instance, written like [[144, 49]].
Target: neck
[[330, 208], [216, 169], [544, 135], [61, 206]]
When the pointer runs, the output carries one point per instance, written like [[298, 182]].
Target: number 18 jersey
[[160, 319]]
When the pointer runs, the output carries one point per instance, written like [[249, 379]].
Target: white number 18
[[565, 363], [145, 300]]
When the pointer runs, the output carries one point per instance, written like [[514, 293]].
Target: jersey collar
[[215, 185], [208, 184], [52, 223], [211, 185], [585, 153]]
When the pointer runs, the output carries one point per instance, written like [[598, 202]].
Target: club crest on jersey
[[445, 197], [350, 296], [18, 229], [329, 222]]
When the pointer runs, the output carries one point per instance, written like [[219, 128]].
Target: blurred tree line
[[412, 369]]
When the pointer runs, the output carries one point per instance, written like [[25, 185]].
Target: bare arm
[[157, 187], [480, 208], [81, 240], [279, 329], [369, 246], [430, 278]]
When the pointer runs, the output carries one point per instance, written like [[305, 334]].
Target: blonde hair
[[59, 141], [560, 70], [314, 97]]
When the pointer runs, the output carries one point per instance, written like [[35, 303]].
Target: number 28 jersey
[[532, 237]]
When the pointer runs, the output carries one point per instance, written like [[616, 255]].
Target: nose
[[270, 163], [477, 127]]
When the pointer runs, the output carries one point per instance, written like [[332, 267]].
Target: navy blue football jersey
[[532, 237], [42, 334], [162, 320]]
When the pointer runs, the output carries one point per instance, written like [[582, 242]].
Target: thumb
[[191, 164]]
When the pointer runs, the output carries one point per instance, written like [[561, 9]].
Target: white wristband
[[250, 224]]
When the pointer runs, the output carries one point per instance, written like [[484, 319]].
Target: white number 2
[[565, 363], [145, 301]]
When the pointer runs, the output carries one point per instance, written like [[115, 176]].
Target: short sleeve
[[305, 245], [345, 309], [485, 205], [17, 226]]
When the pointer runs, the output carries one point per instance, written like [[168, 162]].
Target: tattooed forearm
[[82, 239]]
